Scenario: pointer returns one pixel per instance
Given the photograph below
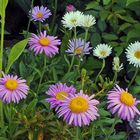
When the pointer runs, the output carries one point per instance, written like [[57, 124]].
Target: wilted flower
[[116, 64], [88, 21], [39, 13], [102, 51], [79, 47], [70, 8], [72, 19], [122, 103], [79, 109], [58, 93], [12, 88], [133, 54], [44, 43]]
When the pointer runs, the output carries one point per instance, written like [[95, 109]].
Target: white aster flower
[[102, 51], [138, 124], [72, 19], [88, 21], [133, 54], [116, 64]]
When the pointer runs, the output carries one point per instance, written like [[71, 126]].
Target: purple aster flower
[[12, 89], [40, 13], [57, 94], [79, 109], [122, 103], [78, 48], [44, 43]]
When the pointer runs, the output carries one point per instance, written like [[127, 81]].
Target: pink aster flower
[[44, 43], [12, 89], [40, 13], [57, 94], [70, 8], [79, 109], [79, 47], [122, 103]]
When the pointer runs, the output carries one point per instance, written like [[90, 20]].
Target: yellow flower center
[[103, 53], [61, 95], [137, 54], [127, 99], [78, 50], [11, 84], [39, 15], [44, 41], [78, 105], [73, 21]]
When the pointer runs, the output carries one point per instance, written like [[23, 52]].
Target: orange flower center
[[44, 41], [78, 105], [39, 15], [78, 50], [137, 54], [127, 99], [11, 84], [61, 95]]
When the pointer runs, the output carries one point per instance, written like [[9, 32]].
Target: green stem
[[54, 14], [29, 22], [133, 78], [103, 65], [86, 35], [40, 27], [77, 133], [111, 130], [93, 132], [72, 61], [41, 78], [1, 59], [115, 77]]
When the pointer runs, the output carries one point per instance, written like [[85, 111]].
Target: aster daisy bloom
[[88, 21], [122, 103], [133, 53], [102, 51], [39, 13], [79, 109], [44, 43], [80, 48], [12, 88], [72, 19], [57, 94]]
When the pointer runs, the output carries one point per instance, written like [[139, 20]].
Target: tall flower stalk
[[2, 13]]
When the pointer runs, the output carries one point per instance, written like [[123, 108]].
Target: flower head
[[133, 54], [57, 94], [88, 21], [72, 19], [79, 109], [40, 13], [79, 47], [44, 43], [102, 51], [70, 8], [12, 89], [122, 103], [116, 64]]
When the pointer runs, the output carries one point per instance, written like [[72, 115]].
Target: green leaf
[[107, 36], [92, 5], [106, 2], [3, 4], [2, 138], [137, 80], [133, 34], [15, 52], [95, 39], [130, 2]]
